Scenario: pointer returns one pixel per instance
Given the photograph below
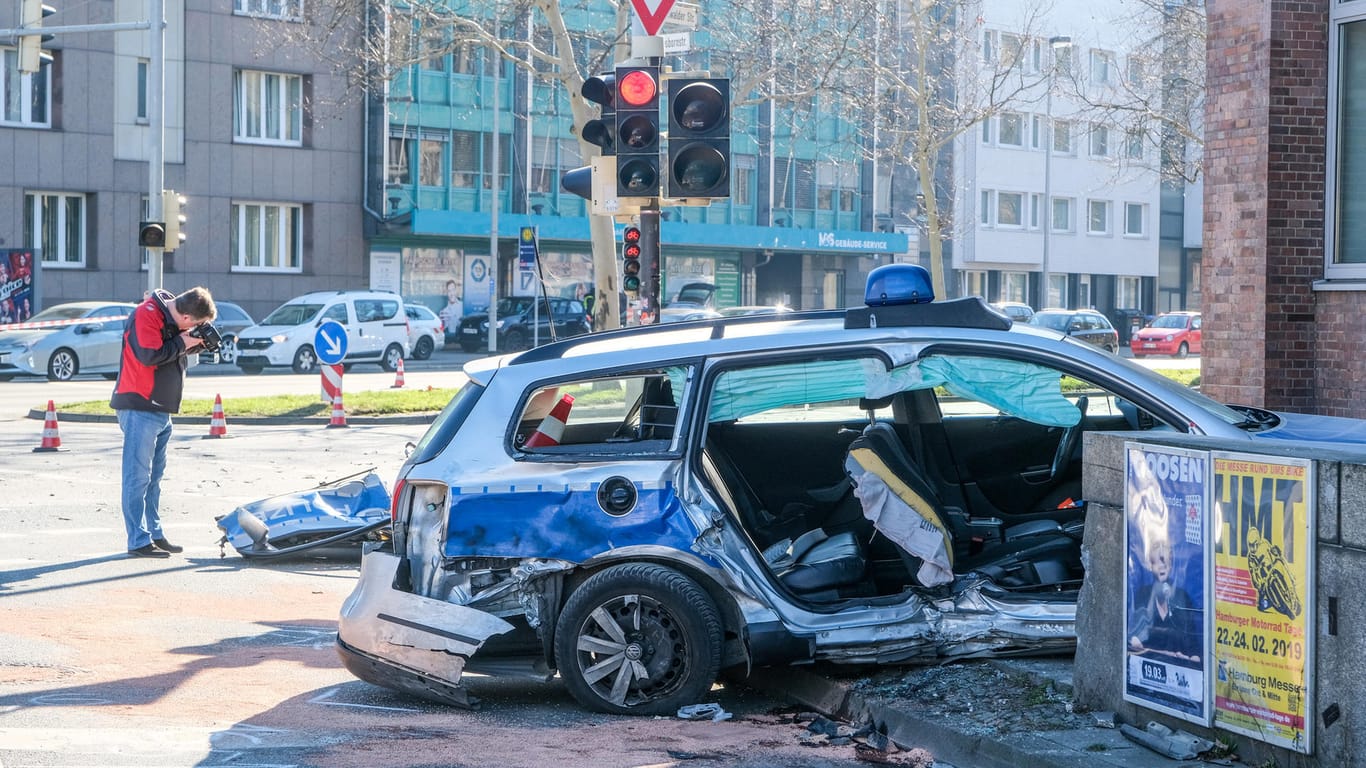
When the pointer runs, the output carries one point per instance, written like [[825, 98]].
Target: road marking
[[327, 694], [239, 737]]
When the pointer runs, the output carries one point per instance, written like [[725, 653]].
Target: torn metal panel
[[330, 513]]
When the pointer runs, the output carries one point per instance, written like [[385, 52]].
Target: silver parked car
[[640, 510], [426, 331], [65, 340]]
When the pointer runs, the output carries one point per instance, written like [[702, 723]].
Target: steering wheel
[[1067, 444]]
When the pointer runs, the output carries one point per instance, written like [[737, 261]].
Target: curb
[[91, 418]]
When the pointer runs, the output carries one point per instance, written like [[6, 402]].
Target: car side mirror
[[82, 330]]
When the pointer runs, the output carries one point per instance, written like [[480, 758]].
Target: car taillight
[[398, 493]]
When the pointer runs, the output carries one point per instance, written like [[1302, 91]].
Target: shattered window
[[629, 413]]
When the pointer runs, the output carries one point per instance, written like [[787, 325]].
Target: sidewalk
[[1000, 713]]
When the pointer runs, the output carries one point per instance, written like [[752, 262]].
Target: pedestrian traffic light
[[175, 220], [152, 234], [602, 90], [699, 137], [637, 137], [630, 259], [31, 54]]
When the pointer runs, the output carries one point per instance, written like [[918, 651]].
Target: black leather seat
[[815, 562], [934, 539]]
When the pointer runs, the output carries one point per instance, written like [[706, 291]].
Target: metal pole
[[1044, 276], [651, 263], [493, 209], [156, 130]]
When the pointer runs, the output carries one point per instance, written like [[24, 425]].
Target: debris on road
[[712, 712], [339, 511]]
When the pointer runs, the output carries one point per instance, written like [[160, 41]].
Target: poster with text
[[18, 298], [1264, 597], [1166, 624]]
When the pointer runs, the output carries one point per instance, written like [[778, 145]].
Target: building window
[[266, 237], [1138, 71], [1010, 209], [1062, 137], [975, 282], [431, 162], [986, 131], [27, 98], [1011, 130], [143, 64], [55, 223], [988, 46], [1015, 286], [744, 166], [1036, 132], [1346, 193], [400, 171], [1062, 215], [1133, 219], [1100, 141], [1035, 210], [985, 215], [1097, 217], [1127, 292], [290, 10], [267, 107], [1133, 144], [1102, 67]]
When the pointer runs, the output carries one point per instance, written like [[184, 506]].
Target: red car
[[1174, 333]]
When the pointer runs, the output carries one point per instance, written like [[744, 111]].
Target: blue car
[[641, 510]]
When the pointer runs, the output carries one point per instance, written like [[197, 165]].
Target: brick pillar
[[1265, 143]]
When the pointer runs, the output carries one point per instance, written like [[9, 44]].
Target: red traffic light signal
[[699, 137], [637, 136], [630, 259]]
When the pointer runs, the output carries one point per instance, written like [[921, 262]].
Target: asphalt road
[[208, 660]]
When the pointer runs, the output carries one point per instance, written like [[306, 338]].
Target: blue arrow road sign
[[330, 342]]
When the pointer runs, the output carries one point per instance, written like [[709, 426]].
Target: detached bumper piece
[[343, 511]]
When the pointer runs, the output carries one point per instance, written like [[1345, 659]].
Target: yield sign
[[652, 18]]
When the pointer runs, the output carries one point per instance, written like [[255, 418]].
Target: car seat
[[934, 540]]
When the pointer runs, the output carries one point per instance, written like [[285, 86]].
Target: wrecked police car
[[641, 510]]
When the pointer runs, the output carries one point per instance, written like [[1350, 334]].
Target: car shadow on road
[[8, 578]]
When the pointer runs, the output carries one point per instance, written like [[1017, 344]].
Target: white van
[[376, 331]]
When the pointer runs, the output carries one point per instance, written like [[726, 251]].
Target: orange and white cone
[[398, 375], [51, 440], [551, 428], [218, 423], [338, 413]]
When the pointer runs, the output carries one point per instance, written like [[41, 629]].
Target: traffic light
[[699, 137], [637, 137], [602, 90], [152, 234], [175, 220], [630, 260], [31, 54]]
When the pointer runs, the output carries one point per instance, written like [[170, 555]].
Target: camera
[[209, 335]]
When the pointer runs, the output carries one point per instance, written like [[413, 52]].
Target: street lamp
[[1059, 44]]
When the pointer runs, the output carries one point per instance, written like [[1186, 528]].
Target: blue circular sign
[[330, 342]]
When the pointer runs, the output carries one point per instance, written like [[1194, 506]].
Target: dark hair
[[197, 303]]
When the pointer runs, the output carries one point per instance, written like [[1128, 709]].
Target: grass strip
[[364, 403]]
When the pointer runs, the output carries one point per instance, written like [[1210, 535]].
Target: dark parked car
[[1016, 311], [1085, 325], [517, 321]]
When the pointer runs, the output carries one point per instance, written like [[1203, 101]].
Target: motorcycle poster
[[1166, 630], [1264, 598]]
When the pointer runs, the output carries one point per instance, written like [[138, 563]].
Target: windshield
[[514, 306], [1170, 321], [1058, 321], [292, 314], [60, 312]]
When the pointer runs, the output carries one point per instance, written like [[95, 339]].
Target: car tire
[[392, 355], [514, 341], [1183, 351], [63, 365], [252, 370], [305, 360], [423, 348], [227, 352], [638, 639], [1112, 349]]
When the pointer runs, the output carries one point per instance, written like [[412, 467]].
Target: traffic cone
[[51, 440], [218, 423], [338, 413], [551, 428], [398, 375]]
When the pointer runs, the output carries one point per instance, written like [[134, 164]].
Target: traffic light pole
[[651, 262], [156, 133]]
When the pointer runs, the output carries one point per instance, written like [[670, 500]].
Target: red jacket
[[152, 366]]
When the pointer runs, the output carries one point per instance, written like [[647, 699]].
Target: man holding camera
[[158, 335]]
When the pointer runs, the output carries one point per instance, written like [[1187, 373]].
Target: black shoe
[[166, 546], [147, 550]]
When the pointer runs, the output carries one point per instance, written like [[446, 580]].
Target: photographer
[[158, 335]]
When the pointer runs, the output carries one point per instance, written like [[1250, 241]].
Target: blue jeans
[[145, 435]]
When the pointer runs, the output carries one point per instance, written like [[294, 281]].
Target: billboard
[[18, 285]]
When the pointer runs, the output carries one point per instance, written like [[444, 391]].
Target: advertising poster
[[1166, 627], [1264, 597], [18, 301]]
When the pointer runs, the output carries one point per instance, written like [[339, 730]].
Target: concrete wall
[[1339, 629]]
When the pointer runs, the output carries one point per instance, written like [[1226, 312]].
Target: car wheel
[[1112, 349], [63, 365], [252, 370], [392, 356], [423, 348], [514, 341], [227, 353], [638, 639], [1183, 351], [305, 360]]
